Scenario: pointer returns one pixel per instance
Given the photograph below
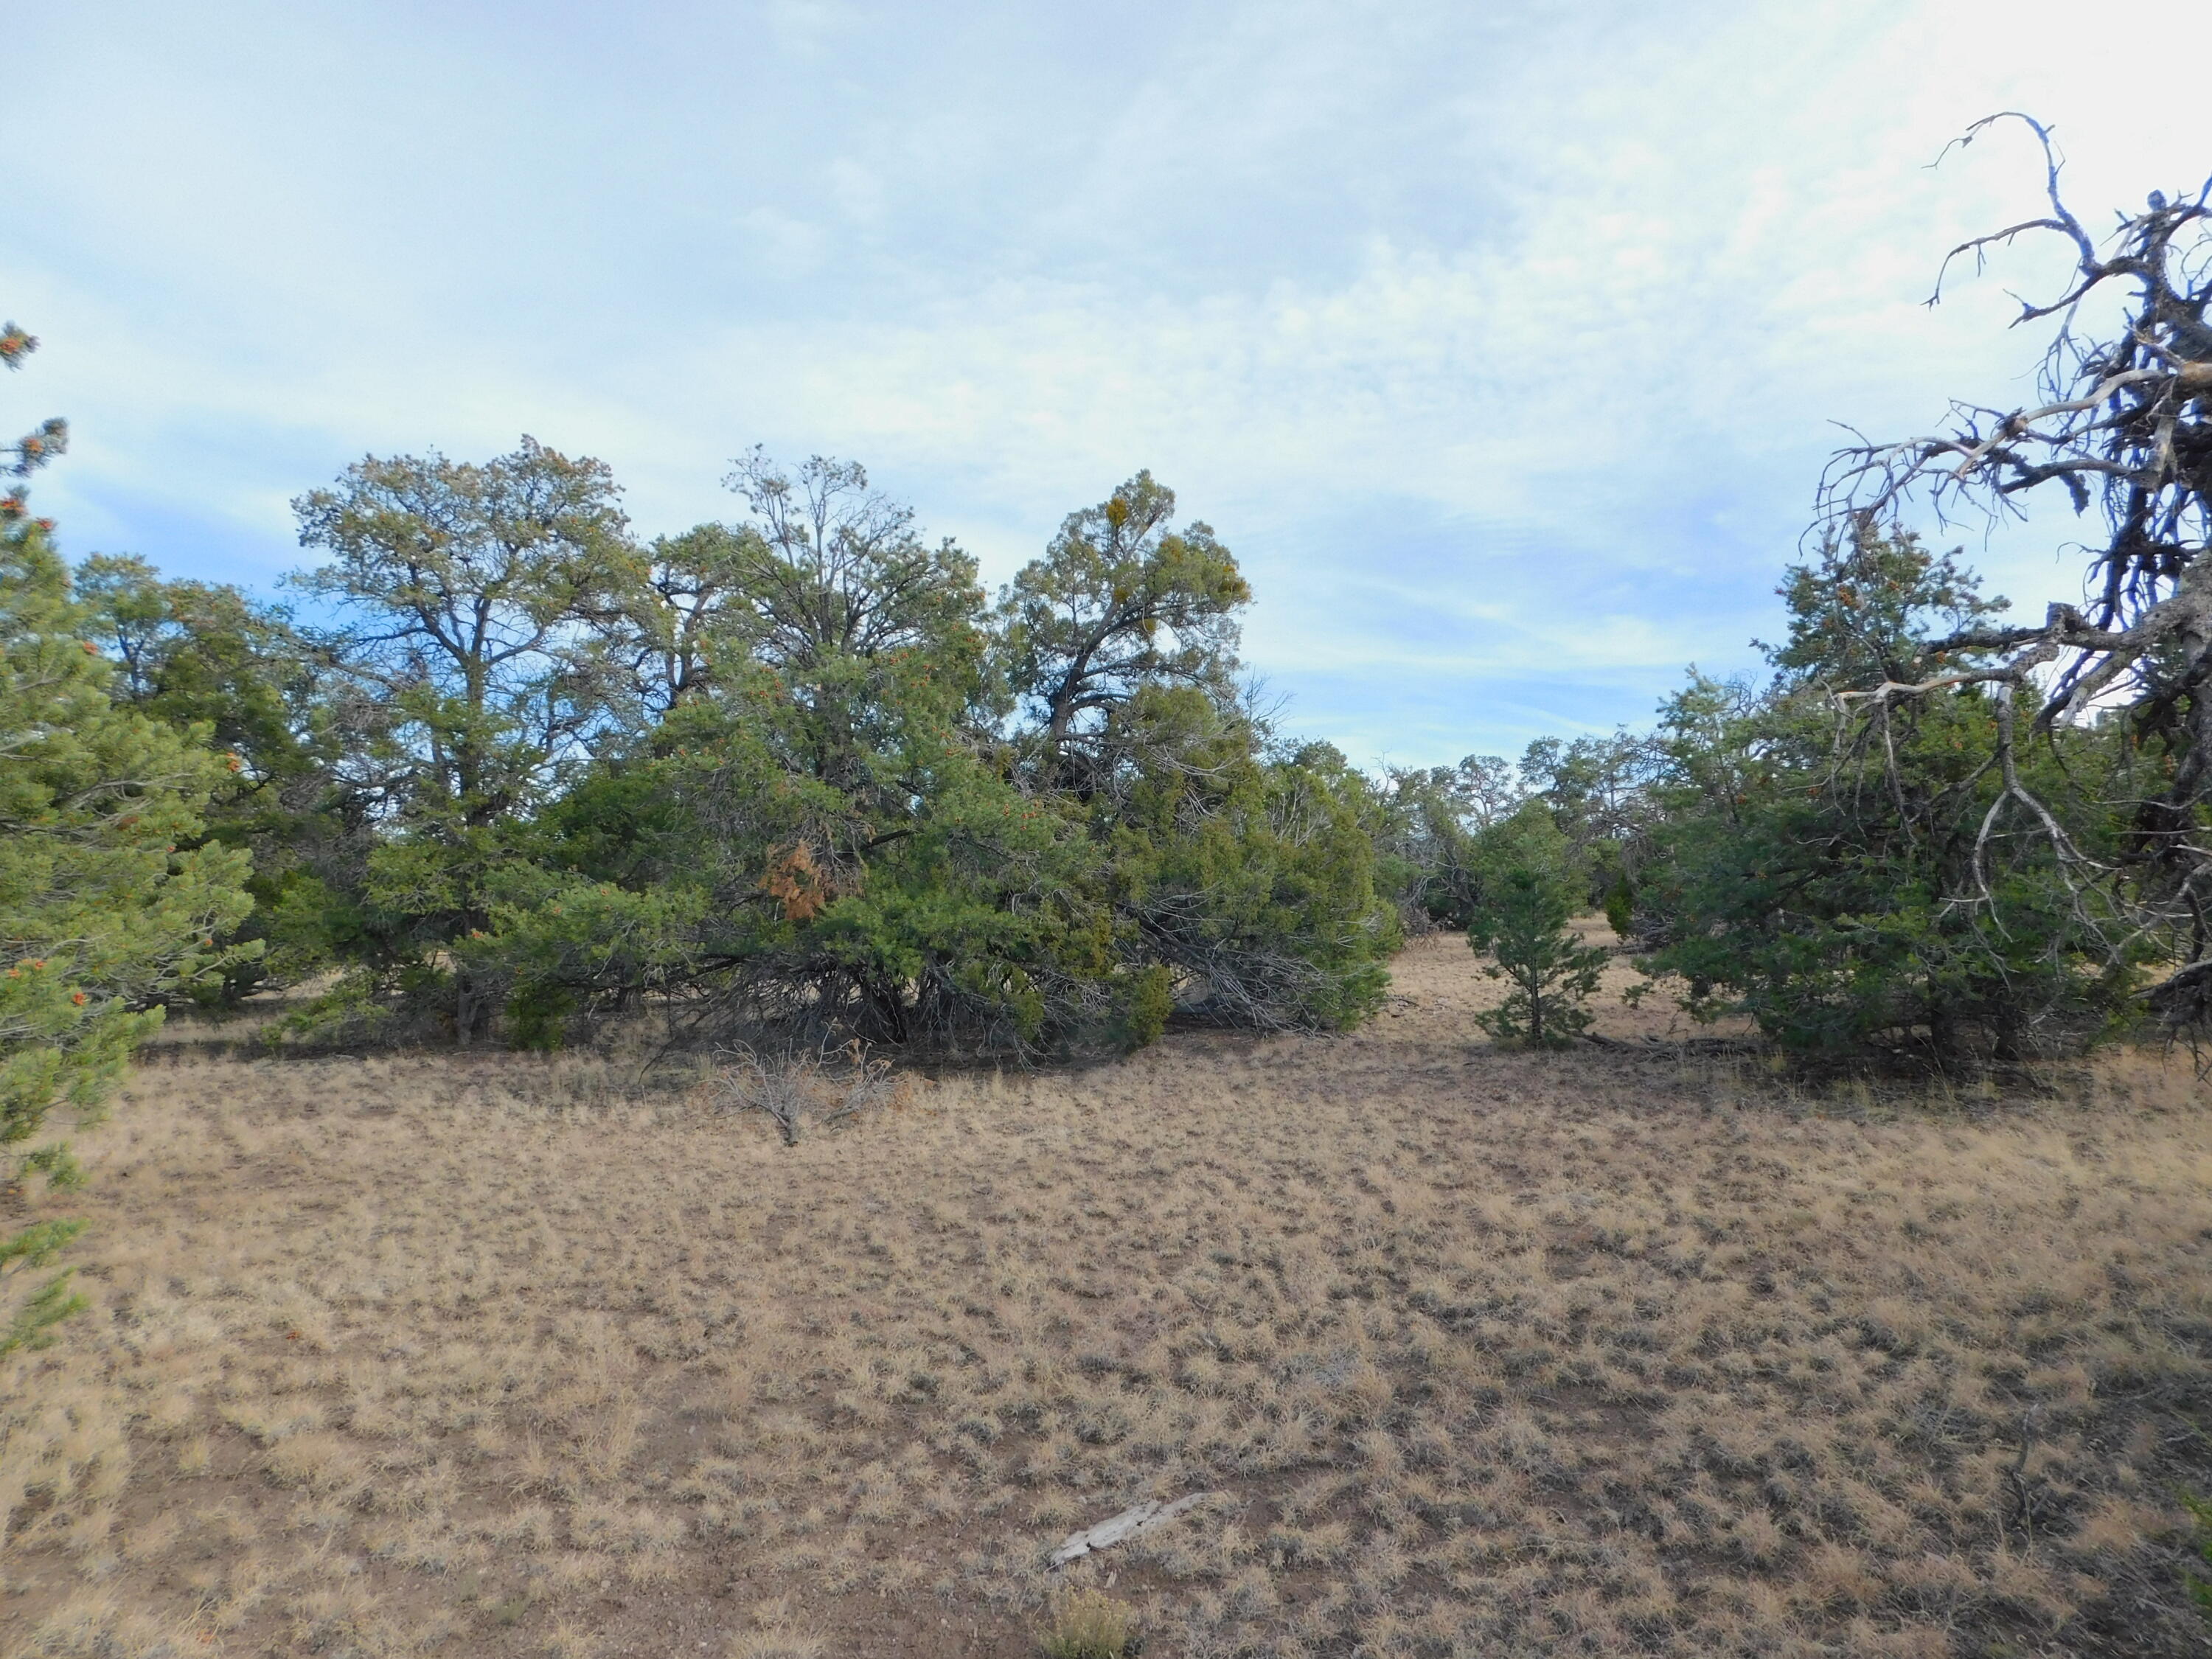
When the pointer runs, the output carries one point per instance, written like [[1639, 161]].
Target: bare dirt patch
[[1488, 1353]]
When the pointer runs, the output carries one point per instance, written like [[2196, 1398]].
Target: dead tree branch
[[2122, 426]]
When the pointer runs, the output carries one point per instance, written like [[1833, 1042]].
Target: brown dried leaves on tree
[[800, 884]]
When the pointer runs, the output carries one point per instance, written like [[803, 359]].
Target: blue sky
[[1502, 342]]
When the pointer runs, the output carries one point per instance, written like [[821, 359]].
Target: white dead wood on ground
[[1140, 1517]]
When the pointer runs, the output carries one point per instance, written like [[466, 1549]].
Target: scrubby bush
[[1148, 1002], [822, 1089], [1621, 908]]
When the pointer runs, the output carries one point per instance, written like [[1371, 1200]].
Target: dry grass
[[1489, 1354], [1089, 1624]]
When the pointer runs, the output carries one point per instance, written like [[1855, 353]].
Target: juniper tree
[[1121, 600], [830, 829], [2120, 427], [1843, 872]]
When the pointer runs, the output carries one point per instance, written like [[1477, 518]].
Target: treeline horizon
[[794, 775]]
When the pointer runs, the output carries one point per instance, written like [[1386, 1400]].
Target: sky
[[1503, 343]]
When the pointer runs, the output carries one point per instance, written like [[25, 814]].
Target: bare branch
[[2123, 422]]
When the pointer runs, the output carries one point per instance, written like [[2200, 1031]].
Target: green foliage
[[792, 771], [1862, 879], [787, 772], [1596, 791], [198, 655], [203, 655], [538, 1015], [1621, 906], [466, 688], [1425, 831], [1118, 601], [102, 917], [828, 830], [665, 639], [2200, 1514], [1252, 878], [34, 1313], [923, 898], [1866, 611], [819, 835], [1527, 900], [1148, 1000]]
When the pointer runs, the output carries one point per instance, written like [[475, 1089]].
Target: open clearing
[[1486, 1354]]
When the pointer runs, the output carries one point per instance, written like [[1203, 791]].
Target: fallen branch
[[1140, 1518]]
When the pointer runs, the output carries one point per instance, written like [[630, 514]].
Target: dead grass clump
[[825, 1089], [1089, 1624]]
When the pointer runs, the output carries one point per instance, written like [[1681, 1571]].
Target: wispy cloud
[[1501, 344]]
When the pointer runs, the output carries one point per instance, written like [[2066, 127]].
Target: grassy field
[[1480, 1353]]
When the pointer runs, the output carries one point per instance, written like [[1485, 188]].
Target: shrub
[[537, 1015], [1150, 1000], [825, 1089], [1089, 1624]]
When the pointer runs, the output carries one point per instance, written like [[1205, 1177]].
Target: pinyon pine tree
[[101, 914], [1521, 919]]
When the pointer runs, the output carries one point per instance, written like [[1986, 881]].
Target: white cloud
[[1503, 346]]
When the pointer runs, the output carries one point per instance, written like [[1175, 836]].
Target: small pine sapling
[[1620, 908], [1522, 921]]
